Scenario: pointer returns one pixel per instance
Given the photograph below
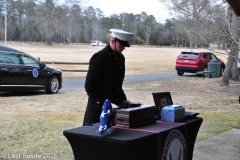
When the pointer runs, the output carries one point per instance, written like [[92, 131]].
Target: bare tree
[[51, 21], [149, 25], [220, 22], [190, 12]]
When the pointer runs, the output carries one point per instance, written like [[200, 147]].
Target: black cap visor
[[123, 43]]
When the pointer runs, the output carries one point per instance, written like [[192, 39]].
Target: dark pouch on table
[[128, 104]]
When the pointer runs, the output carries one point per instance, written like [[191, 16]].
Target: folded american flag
[[104, 118]]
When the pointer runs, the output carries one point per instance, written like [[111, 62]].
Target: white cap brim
[[121, 35]]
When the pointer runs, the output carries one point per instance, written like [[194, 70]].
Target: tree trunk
[[228, 68], [236, 32], [191, 45], [235, 70], [49, 12], [218, 43], [224, 46]]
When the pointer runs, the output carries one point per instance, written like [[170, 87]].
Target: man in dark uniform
[[105, 76]]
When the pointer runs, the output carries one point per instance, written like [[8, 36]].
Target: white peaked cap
[[121, 35]]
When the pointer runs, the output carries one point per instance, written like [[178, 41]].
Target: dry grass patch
[[139, 60], [36, 124]]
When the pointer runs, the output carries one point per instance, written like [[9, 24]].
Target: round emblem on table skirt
[[175, 146]]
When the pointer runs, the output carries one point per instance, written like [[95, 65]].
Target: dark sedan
[[20, 72]]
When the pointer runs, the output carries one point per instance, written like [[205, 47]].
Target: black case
[[135, 116]]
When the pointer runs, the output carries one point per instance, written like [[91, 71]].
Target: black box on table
[[135, 116]]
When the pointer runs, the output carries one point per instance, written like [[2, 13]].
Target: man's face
[[162, 102], [119, 47]]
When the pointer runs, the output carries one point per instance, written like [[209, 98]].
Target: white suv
[[96, 43]]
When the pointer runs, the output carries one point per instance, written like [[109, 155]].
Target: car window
[[207, 56], [9, 58], [29, 61], [189, 55], [204, 55], [213, 57]]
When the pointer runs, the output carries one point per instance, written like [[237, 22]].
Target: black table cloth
[[157, 141]]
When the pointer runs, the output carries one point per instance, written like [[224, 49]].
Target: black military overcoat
[[104, 81]]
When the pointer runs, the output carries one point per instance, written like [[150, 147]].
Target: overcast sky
[[151, 7]]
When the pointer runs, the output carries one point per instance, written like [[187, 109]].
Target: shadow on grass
[[21, 93], [192, 75]]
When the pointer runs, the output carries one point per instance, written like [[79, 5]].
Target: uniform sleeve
[[93, 77], [123, 95]]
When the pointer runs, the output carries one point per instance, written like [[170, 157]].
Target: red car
[[195, 61]]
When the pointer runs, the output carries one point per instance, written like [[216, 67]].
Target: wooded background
[[196, 23], [47, 21]]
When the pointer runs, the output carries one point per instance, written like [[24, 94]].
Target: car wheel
[[180, 73], [205, 69], [53, 85]]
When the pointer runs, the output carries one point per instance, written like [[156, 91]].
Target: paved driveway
[[72, 84]]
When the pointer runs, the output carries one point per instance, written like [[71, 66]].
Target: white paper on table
[[114, 105]]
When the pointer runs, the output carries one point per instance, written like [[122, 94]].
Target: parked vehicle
[[195, 61], [20, 71], [96, 43]]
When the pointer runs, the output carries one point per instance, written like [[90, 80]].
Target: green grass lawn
[[215, 122]]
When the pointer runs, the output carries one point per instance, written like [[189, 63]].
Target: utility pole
[[5, 42], [70, 29]]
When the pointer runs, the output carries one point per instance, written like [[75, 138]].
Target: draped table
[[157, 141]]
